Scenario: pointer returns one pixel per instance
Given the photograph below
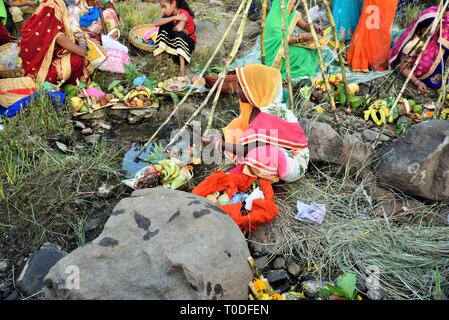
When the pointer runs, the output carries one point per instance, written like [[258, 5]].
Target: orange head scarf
[[261, 85]]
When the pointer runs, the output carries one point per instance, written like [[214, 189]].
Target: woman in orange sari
[[370, 43], [48, 49]]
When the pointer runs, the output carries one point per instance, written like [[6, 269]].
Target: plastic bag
[[9, 58], [116, 52], [96, 55]]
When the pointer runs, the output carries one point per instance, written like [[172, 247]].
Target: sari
[[346, 14], [42, 58], [5, 37], [435, 55], [370, 43], [285, 155], [303, 61]]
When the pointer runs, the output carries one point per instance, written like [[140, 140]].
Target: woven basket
[[140, 31], [14, 73], [230, 84]]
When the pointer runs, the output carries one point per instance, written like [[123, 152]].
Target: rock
[[98, 114], [103, 125], [274, 276], [159, 244], [12, 296], [263, 241], [416, 163], [31, 278], [61, 146], [134, 119], [371, 135], [3, 266], [392, 205], [144, 113], [92, 224], [374, 295], [92, 138], [117, 114], [293, 268], [79, 125], [311, 288], [105, 191], [261, 263], [87, 131], [279, 263]]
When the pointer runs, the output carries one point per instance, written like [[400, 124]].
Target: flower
[[320, 109]]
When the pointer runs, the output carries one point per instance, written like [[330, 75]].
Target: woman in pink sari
[[429, 72]]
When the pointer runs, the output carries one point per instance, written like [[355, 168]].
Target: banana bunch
[[168, 170], [378, 112], [445, 114]]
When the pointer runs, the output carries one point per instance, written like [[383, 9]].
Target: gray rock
[[371, 135], [12, 296], [263, 241], [87, 131], [279, 263], [311, 288], [105, 191], [98, 114], [92, 138], [79, 125], [92, 224], [158, 244], [276, 276], [144, 113], [416, 163], [134, 119], [3, 266], [293, 268], [374, 295], [118, 114], [262, 263], [30, 280]]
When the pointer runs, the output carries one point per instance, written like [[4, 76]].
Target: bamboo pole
[[217, 49], [340, 57], [262, 34], [287, 56], [221, 77], [435, 24], [232, 55], [321, 63]]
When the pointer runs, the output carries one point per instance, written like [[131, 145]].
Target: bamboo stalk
[[217, 49], [435, 23], [232, 55], [221, 77], [287, 56], [340, 57], [321, 63], [262, 34]]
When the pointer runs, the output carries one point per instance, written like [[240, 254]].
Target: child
[[176, 32]]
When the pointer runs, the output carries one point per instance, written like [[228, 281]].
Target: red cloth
[[77, 64], [5, 37], [190, 24], [263, 210]]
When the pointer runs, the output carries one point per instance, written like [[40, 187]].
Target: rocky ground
[[402, 180]]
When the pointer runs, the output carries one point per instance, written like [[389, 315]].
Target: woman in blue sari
[[346, 15]]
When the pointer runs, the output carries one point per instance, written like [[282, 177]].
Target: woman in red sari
[[48, 49]]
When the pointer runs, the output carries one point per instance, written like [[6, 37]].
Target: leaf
[[113, 84], [175, 98], [355, 101], [306, 92], [325, 293], [341, 94], [347, 284]]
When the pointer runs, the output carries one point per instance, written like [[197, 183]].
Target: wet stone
[[293, 268], [279, 263]]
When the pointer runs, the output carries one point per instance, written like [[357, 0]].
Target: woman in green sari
[[303, 61]]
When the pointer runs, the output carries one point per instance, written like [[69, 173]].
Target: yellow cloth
[[259, 84]]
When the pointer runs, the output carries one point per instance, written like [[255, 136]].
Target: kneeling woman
[[48, 49], [429, 72], [266, 140]]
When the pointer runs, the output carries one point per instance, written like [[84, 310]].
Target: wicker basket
[[230, 84], [140, 31], [9, 73]]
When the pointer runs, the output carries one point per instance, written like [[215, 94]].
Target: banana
[[375, 118], [368, 114], [382, 117]]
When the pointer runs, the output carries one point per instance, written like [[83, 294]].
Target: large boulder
[[158, 244], [417, 162]]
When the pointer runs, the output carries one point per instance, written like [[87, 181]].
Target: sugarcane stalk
[[287, 56], [321, 63], [412, 71], [262, 34], [232, 55], [340, 57], [221, 77], [217, 49]]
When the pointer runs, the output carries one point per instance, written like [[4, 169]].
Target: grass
[[45, 194]]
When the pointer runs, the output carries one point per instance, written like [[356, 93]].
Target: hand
[[422, 88], [180, 17], [306, 37], [319, 29], [100, 4]]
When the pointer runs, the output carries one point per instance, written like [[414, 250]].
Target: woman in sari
[[346, 15], [266, 140], [5, 36], [303, 61], [371, 41], [404, 54], [48, 49]]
